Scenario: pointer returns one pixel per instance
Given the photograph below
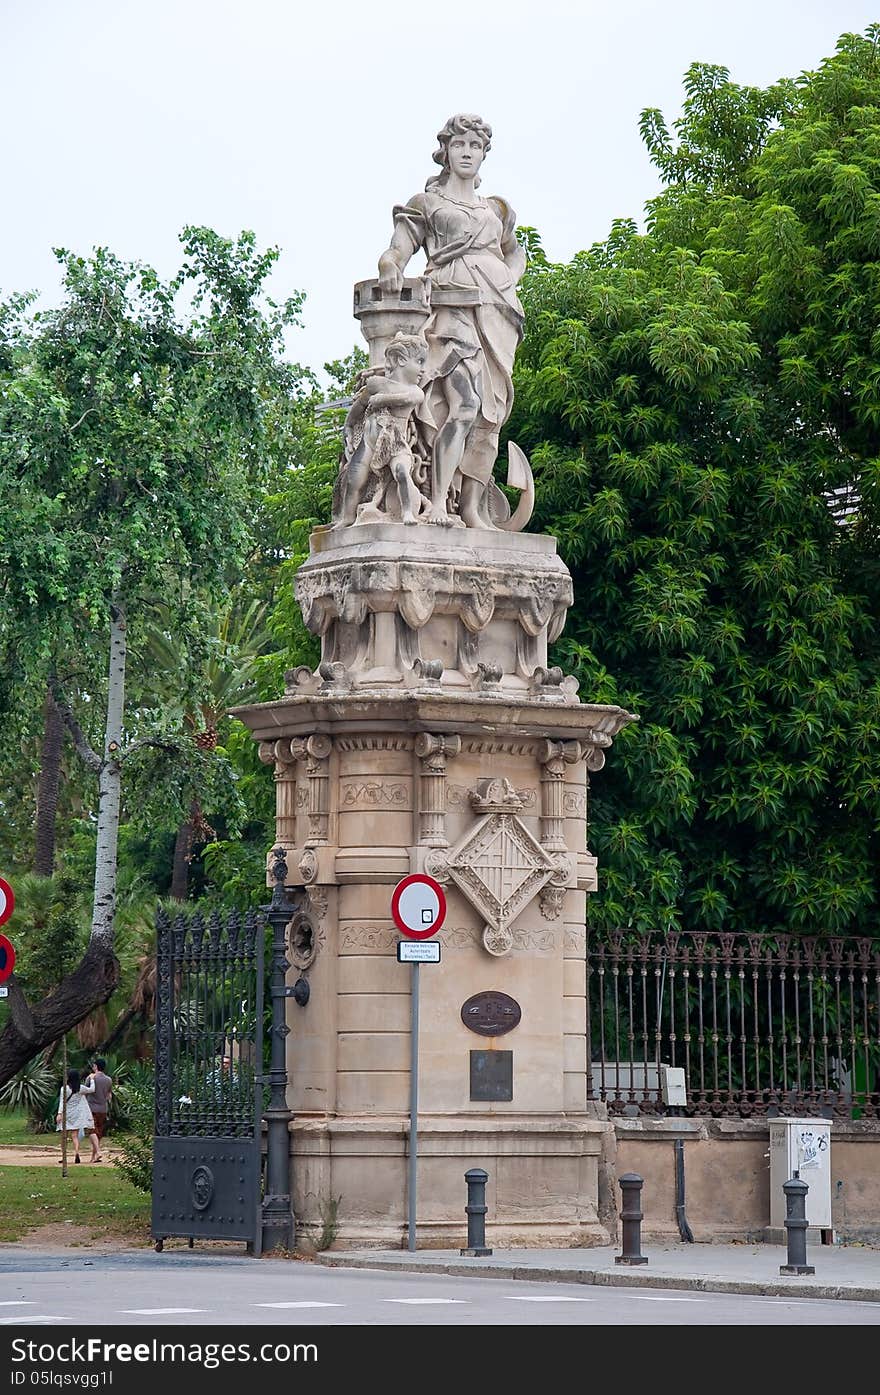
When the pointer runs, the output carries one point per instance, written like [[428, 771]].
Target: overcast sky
[[306, 120]]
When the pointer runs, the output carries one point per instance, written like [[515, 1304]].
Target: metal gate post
[[279, 1227]]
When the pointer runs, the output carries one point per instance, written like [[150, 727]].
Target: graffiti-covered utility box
[[801, 1147]]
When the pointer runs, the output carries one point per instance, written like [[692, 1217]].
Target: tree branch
[[84, 750], [86, 413], [22, 1016], [170, 747]]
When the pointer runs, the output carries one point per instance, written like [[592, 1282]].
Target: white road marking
[[17, 1303], [156, 1312], [424, 1300], [32, 1317], [546, 1298], [308, 1304]]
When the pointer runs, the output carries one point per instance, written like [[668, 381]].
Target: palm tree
[[239, 636]]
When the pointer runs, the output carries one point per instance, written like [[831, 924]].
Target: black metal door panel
[[208, 1188], [209, 1080]]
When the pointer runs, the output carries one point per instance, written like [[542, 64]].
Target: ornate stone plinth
[[399, 605], [489, 796]]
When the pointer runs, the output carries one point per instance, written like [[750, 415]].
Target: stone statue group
[[421, 437]]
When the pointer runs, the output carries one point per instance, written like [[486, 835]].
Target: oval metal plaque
[[491, 1014]]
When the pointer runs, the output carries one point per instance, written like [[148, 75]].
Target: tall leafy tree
[[701, 403], [132, 458]]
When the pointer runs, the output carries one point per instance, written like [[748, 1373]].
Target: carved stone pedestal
[[489, 795], [410, 606]]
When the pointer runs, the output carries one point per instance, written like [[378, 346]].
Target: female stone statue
[[474, 264]]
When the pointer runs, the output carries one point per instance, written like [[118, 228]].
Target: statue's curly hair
[[458, 125], [404, 346]]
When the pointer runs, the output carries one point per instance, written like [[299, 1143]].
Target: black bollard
[[476, 1212], [796, 1227], [631, 1214]]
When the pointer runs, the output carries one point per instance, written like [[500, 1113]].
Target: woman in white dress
[[78, 1114]]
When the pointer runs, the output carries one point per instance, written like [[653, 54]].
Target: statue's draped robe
[[476, 317]]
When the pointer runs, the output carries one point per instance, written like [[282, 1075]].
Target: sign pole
[[418, 909], [413, 1108]]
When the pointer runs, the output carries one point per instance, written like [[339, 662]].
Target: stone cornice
[[496, 718]]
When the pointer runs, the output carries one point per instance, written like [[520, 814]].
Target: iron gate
[[209, 1048]]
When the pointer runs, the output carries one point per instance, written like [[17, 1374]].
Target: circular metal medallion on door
[[491, 1014], [202, 1188]]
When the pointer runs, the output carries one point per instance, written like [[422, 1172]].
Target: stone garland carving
[[433, 753], [359, 937], [315, 751], [374, 794], [365, 937]]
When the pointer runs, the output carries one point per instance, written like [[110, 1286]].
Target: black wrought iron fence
[[758, 1023]]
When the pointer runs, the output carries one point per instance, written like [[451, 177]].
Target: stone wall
[[727, 1177]]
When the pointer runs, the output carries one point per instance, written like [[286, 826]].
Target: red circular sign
[[7, 958], [7, 901], [418, 906]]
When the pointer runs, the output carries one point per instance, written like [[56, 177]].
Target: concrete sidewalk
[[842, 1271]]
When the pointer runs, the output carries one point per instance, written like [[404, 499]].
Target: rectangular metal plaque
[[418, 952], [4, 990], [491, 1075]]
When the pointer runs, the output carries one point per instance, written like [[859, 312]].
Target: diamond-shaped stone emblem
[[499, 866]]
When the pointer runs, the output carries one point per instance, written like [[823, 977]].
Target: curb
[[782, 1288]]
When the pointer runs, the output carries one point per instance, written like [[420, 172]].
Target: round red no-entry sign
[[418, 906], [7, 958], [7, 901]]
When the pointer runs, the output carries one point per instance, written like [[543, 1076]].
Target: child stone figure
[[383, 406]]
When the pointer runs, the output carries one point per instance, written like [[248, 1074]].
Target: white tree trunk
[[110, 786]]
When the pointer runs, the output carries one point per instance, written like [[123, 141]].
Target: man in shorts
[[99, 1102]]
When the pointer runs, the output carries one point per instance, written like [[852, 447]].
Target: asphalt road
[[190, 1290]]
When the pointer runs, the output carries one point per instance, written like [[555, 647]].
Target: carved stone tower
[[434, 737]]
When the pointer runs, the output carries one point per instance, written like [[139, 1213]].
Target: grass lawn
[[97, 1197], [14, 1132], [14, 1129]]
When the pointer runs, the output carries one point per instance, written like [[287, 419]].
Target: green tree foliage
[[134, 450], [701, 404]]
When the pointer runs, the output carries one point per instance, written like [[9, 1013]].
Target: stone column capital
[[428, 746], [559, 753]]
